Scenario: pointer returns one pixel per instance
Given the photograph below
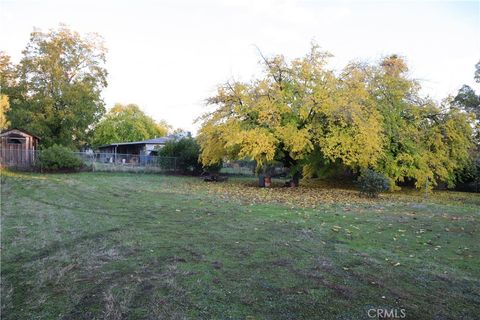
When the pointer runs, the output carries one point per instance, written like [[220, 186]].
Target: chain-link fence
[[116, 162], [239, 167], [249, 168], [113, 162], [129, 162]]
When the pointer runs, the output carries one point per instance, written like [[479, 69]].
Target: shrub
[[213, 168], [187, 151], [371, 183], [58, 157], [468, 179]]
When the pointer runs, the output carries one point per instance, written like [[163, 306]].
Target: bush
[[468, 179], [59, 158], [214, 168], [187, 152], [372, 183]]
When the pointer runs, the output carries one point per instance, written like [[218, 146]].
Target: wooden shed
[[17, 148]]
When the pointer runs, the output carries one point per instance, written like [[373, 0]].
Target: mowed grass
[[133, 246]]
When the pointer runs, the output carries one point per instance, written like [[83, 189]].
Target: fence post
[[426, 188]]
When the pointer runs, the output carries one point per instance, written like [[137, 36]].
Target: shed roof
[[15, 130], [161, 140]]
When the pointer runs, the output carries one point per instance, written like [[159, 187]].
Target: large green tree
[[468, 101], [125, 123], [57, 90], [477, 72]]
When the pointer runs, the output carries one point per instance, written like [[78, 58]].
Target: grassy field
[[134, 246]]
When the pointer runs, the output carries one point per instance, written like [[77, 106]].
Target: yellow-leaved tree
[[308, 118], [294, 112], [4, 107], [424, 143]]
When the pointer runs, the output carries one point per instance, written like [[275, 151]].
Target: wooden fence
[[18, 158]]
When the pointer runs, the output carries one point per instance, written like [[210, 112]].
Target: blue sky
[[168, 56]]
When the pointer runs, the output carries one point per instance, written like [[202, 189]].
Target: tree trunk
[[268, 181], [291, 164], [261, 180], [295, 180]]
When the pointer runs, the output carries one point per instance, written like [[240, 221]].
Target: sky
[[169, 56]]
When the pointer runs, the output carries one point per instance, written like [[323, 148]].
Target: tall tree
[[7, 73], [477, 72], [292, 110], [423, 142], [308, 118], [57, 95], [7, 82], [468, 101], [125, 123]]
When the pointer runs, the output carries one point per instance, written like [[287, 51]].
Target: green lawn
[[140, 246]]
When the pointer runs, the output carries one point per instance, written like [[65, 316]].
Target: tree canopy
[[477, 72], [468, 101], [56, 88], [4, 108], [293, 110], [126, 123], [309, 117], [7, 79]]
